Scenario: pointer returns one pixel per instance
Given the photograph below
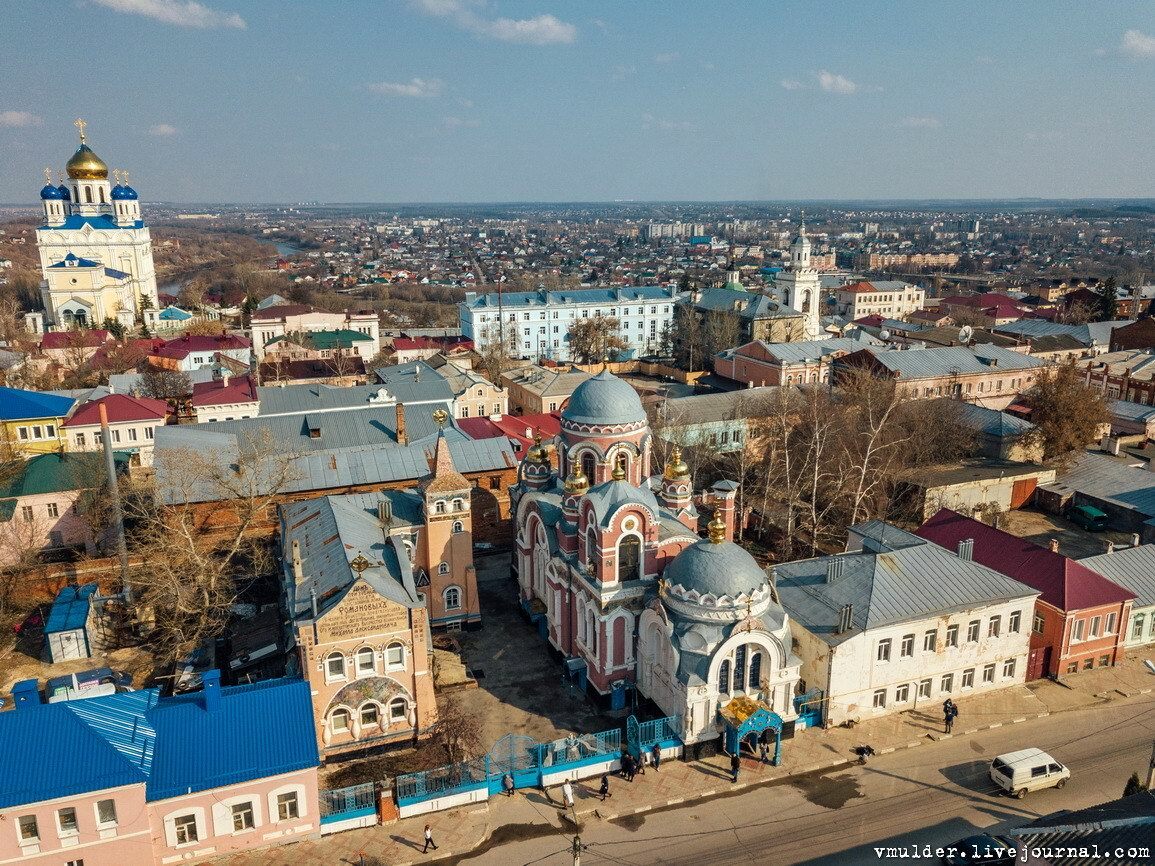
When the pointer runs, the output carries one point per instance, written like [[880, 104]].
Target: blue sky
[[503, 100]]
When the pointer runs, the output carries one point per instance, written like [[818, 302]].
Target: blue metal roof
[[19, 405], [70, 609], [68, 260], [576, 297], [173, 745]]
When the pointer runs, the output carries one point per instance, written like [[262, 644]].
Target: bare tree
[[497, 349], [162, 384], [596, 339], [458, 730], [199, 533]]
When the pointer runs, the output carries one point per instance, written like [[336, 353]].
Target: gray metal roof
[[911, 579], [748, 305], [1130, 411], [609, 496], [951, 360], [1090, 334], [991, 421], [711, 408], [1108, 479], [570, 297], [546, 381], [298, 399], [1132, 568]]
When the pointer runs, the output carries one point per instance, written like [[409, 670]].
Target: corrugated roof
[[1063, 582], [1101, 477], [570, 297], [937, 361], [430, 387], [70, 608], [991, 421], [17, 404], [56, 473], [1132, 568], [711, 408], [909, 579]]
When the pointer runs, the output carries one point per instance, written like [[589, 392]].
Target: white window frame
[[902, 693], [968, 679], [906, 646], [105, 825], [60, 831], [358, 658], [331, 677], [200, 829], [995, 626], [882, 651], [456, 591], [223, 819], [1009, 666], [1014, 622], [924, 687], [274, 805], [930, 640], [333, 713], [879, 699], [394, 718], [952, 635], [989, 672], [372, 706], [23, 840], [391, 665]]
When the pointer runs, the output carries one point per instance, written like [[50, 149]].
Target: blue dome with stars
[[123, 193], [64, 193], [50, 192]]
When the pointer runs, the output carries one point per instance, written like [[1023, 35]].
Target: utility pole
[[1151, 769], [577, 850]]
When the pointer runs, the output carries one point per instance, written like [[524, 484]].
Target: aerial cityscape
[[520, 432]]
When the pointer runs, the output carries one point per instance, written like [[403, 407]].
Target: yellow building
[[31, 421]]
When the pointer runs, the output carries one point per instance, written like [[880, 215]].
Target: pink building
[[135, 778]]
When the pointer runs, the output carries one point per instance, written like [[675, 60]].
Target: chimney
[[1134, 539], [1053, 545], [1109, 546], [298, 570], [211, 680], [845, 619], [966, 549], [385, 511], [25, 693], [835, 567], [225, 376], [402, 433]]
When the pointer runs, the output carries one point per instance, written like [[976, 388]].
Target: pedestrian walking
[[429, 843], [567, 794], [629, 766], [604, 789], [656, 754], [735, 766], [950, 713], [507, 784]]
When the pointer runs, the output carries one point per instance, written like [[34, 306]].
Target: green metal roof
[[54, 473], [340, 339]]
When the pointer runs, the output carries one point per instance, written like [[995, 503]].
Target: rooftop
[[16, 404]]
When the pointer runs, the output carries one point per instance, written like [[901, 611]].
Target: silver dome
[[604, 399]]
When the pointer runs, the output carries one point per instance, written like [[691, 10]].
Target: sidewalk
[[533, 812]]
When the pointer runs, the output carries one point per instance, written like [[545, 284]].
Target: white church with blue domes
[[95, 250]]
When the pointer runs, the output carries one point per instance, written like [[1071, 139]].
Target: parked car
[[1028, 770], [1087, 516], [983, 849]]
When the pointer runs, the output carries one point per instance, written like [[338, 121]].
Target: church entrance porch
[[751, 723]]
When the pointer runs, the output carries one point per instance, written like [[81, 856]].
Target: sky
[[586, 100]]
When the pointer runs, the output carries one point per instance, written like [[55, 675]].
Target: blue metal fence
[[441, 781], [666, 731], [579, 751], [340, 804]]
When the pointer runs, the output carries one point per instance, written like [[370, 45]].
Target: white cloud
[[927, 121], [164, 130], [460, 123], [20, 118], [415, 87], [832, 83], [1136, 43], [181, 13], [792, 84], [666, 57], [539, 30]]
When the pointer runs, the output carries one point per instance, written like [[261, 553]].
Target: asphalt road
[[934, 794]]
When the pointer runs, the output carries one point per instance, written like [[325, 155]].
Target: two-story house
[[1080, 619], [132, 422], [30, 421], [898, 623]]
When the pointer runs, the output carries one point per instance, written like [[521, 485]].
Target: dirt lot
[[1036, 526]]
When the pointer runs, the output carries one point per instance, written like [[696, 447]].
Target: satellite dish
[[965, 333], [884, 334]]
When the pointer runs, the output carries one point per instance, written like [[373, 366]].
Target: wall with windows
[[895, 668], [134, 436], [253, 814], [40, 436], [45, 521], [107, 828], [1092, 638], [1141, 626]]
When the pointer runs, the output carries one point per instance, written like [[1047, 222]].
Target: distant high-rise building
[[95, 250]]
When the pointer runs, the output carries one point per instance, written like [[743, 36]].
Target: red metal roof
[[1063, 582], [182, 347], [272, 314], [546, 424], [215, 393], [120, 408], [73, 339]]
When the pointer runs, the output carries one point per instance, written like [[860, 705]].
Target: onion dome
[[123, 193], [619, 473], [716, 567], [86, 165], [130, 193], [538, 453], [51, 193], [577, 483], [65, 192], [604, 399], [676, 468]]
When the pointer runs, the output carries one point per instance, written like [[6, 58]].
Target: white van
[[1028, 770]]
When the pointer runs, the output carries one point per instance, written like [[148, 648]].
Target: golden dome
[[538, 453], [717, 529], [577, 482], [86, 165], [619, 473], [676, 468]]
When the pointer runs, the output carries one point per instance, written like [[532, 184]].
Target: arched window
[[629, 558], [592, 634], [458, 505], [339, 721], [335, 666], [88, 194], [452, 598], [458, 526], [739, 668], [724, 678], [394, 656], [589, 465], [755, 671], [397, 710], [365, 661], [439, 506], [443, 568], [370, 715], [622, 459], [591, 547], [102, 201]]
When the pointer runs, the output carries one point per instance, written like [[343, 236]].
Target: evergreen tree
[[1108, 303]]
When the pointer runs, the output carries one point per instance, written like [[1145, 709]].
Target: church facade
[[95, 250], [610, 562], [801, 286]]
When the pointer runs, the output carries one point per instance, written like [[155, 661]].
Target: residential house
[[1139, 334], [73, 348], [137, 778], [341, 349], [990, 376], [976, 485], [1095, 337], [31, 421], [345, 370], [42, 504], [762, 363], [1132, 420], [190, 351], [890, 298], [416, 386], [271, 322], [224, 398], [132, 422], [537, 390], [406, 349], [1000, 435], [756, 316], [720, 422], [1080, 617], [897, 623], [1132, 568], [1128, 374], [986, 309], [474, 396]]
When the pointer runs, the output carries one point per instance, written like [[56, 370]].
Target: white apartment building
[[892, 299], [882, 634], [536, 324], [282, 319]]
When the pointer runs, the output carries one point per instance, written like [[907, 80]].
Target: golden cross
[[749, 615], [116, 176], [80, 124], [48, 175], [124, 174]]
